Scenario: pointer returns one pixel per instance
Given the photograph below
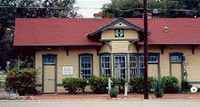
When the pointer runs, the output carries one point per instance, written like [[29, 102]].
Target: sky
[[88, 7]]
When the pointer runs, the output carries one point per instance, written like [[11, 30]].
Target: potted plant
[[113, 92]]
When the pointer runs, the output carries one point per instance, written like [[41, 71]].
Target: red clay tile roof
[[73, 32]]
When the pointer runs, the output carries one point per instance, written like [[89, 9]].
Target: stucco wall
[[192, 61], [193, 64], [72, 59], [128, 34], [118, 47], [153, 70]]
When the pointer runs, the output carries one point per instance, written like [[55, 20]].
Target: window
[[136, 65], [119, 33], [120, 66], [105, 65], [141, 64], [176, 57], [86, 66], [49, 59], [153, 58], [133, 66]]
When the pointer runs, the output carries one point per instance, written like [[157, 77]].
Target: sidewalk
[[103, 100], [93, 103], [106, 98]]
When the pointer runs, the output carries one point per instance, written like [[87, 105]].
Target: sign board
[[67, 70]]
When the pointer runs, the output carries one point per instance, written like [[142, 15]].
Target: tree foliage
[[122, 8], [11, 9], [165, 8]]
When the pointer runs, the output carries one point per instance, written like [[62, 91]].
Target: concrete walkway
[[148, 103]]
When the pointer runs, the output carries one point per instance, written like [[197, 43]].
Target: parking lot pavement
[[144, 103]]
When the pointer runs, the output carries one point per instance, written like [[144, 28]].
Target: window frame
[[133, 65], [81, 73], [179, 57], [141, 64], [106, 74], [137, 59], [120, 61], [117, 33], [156, 56], [49, 56]]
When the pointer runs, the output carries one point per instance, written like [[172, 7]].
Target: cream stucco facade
[[70, 57]]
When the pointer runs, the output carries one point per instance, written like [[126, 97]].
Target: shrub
[[137, 84], [2, 80], [72, 85], [99, 84], [170, 84], [186, 86], [22, 81], [158, 89]]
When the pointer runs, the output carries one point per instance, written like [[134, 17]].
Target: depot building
[[83, 48]]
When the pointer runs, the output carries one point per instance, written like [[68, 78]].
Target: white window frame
[[86, 67], [105, 65], [176, 57], [118, 66], [153, 58]]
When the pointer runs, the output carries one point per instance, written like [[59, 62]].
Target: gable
[[120, 24], [107, 32]]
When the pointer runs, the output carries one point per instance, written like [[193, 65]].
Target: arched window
[[153, 58], [176, 57]]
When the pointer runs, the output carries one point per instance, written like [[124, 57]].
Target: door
[[49, 73], [120, 66], [176, 65], [153, 70], [176, 70]]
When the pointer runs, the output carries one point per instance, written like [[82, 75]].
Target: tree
[[166, 8], [174, 8], [11, 9], [122, 8], [192, 5]]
